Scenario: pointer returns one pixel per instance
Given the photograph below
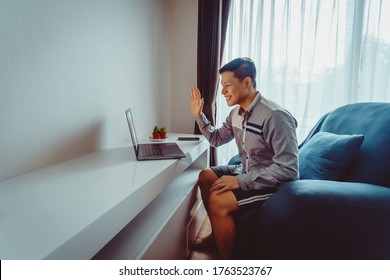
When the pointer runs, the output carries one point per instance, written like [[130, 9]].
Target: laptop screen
[[133, 133]]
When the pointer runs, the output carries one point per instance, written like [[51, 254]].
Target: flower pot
[[156, 136]]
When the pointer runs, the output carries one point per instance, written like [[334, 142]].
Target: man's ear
[[248, 82]]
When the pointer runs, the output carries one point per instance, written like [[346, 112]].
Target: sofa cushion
[[372, 120], [317, 219], [327, 156]]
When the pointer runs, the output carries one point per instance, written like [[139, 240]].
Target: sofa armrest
[[313, 219]]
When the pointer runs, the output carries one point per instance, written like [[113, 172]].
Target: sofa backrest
[[371, 119]]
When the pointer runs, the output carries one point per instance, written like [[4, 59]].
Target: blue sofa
[[348, 218]]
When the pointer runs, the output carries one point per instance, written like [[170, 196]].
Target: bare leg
[[206, 179], [222, 222]]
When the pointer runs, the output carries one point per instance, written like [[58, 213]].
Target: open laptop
[[152, 151]]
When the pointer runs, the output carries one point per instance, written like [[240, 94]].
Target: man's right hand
[[196, 102]]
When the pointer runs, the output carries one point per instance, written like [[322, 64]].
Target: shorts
[[245, 199]]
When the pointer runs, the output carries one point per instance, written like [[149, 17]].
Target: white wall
[[69, 69], [184, 28]]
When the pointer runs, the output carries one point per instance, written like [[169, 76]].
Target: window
[[311, 56]]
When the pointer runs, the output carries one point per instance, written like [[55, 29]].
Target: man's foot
[[204, 242]]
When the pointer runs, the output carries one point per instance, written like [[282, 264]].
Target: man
[[265, 136]]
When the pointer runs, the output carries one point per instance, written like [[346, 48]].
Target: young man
[[265, 136]]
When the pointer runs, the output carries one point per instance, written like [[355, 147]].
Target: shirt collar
[[257, 99]]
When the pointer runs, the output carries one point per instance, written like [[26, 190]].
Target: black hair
[[242, 67]]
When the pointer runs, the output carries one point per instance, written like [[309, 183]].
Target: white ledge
[[72, 209]]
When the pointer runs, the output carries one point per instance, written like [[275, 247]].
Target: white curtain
[[311, 56]]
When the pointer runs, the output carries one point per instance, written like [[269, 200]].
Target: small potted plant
[[156, 133], [163, 133]]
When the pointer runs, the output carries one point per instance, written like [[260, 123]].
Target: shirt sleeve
[[216, 137], [279, 133]]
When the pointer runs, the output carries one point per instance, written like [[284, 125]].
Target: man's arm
[[216, 137], [279, 132]]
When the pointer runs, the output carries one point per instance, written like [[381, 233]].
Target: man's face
[[232, 89]]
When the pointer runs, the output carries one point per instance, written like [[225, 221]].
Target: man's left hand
[[224, 184]]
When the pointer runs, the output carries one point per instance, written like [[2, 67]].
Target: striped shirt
[[266, 140]]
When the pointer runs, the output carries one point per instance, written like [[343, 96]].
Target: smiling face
[[234, 91]]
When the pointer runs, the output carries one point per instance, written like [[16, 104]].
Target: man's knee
[[206, 177]]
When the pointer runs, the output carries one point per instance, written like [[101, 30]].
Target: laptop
[[152, 151]]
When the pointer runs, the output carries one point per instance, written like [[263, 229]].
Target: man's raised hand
[[196, 102]]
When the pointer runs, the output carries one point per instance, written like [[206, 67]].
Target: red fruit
[[156, 135], [163, 135]]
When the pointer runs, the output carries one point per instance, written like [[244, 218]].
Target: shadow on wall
[[75, 145]]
